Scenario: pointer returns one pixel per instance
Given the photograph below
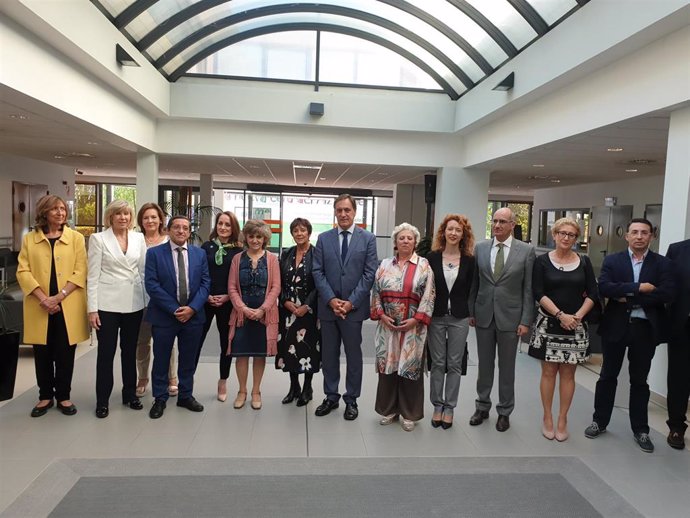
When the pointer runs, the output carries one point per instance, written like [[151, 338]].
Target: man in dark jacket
[[638, 283], [679, 346]]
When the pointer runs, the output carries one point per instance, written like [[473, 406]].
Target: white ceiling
[[31, 129]]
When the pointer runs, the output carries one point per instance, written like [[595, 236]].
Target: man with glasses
[[502, 310], [178, 282], [638, 283]]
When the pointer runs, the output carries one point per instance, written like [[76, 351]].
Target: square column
[[206, 216], [463, 191], [147, 178]]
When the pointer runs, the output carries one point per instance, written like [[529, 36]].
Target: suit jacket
[[679, 254], [115, 280], [617, 281], [349, 280], [161, 285], [507, 300], [34, 272], [459, 293]]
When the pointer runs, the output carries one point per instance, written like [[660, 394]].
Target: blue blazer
[[161, 285], [616, 281], [350, 280], [679, 254]]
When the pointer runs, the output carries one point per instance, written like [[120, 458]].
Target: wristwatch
[[64, 293]]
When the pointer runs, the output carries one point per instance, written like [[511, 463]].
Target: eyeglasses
[[564, 234], [501, 222]]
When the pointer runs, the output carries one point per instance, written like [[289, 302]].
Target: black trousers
[[640, 344], [222, 314], [678, 379], [127, 326], [54, 361]]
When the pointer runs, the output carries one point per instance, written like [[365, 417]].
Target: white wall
[[23, 170], [638, 193]]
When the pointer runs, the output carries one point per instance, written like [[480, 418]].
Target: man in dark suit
[[679, 346], [178, 282], [345, 263], [502, 310], [638, 283]]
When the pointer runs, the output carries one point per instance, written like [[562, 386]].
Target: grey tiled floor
[[656, 485]]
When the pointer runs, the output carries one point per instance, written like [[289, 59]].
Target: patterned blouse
[[402, 293]]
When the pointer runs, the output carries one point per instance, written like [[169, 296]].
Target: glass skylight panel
[[552, 10], [115, 7], [155, 15], [284, 55], [349, 60], [465, 27], [507, 20]]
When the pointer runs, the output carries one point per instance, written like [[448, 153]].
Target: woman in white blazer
[[116, 301]]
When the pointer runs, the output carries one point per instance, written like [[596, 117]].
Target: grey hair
[[405, 226]]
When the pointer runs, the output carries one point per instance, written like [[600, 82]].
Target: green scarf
[[222, 250]]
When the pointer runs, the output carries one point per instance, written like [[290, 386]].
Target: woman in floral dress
[[402, 301], [299, 350]]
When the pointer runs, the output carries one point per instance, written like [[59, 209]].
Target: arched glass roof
[[454, 43]]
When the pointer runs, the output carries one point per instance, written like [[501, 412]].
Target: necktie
[[498, 266], [343, 250], [181, 277]]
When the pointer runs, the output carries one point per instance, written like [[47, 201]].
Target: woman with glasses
[[565, 287]]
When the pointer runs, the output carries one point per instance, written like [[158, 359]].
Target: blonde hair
[[44, 205], [563, 222], [115, 207]]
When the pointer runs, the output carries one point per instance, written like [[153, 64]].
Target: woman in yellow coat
[[52, 275]]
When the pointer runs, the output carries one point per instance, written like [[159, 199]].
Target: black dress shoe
[[351, 412], [503, 423], [478, 417], [102, 412], [675, 440], [67, 410], [190, 404], [446, 424], [42, 410], [326, 407], [135, 404], [291, 395], [305, 397], [157, 409]]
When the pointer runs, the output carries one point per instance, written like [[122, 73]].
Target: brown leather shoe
[[503, 423], [676, 440]]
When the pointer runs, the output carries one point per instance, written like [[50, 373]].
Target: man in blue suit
[[178, 282], [345, 263], [638, 283], [679, 346]]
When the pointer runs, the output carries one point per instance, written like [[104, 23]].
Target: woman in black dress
[[299, 350], [254, 288], [565, 288], [222, 245]]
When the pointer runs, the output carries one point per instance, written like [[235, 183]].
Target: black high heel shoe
[[291, 395], [305, 397]]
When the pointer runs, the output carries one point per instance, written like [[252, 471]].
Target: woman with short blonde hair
[[118, 207]]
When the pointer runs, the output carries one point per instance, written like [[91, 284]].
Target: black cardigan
[[460, 293], [287, 260]]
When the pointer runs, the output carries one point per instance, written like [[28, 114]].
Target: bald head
[[503, 224]]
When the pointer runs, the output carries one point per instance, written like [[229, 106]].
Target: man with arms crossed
[[345, 263], [637, 283], [501, 309]]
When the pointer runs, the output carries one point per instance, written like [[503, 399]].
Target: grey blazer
[[508, 300], [351, 280]]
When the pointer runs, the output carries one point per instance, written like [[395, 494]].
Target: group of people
[[307, 305]]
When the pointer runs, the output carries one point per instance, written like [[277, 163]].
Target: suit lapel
[[484, 253], [336, 245], [113, 247], [512, 257]]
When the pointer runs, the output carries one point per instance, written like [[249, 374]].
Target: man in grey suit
[[501, 309], [345, 263]]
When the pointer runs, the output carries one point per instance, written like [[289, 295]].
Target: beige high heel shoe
[[222, 390], [256, 400], [240, 400]]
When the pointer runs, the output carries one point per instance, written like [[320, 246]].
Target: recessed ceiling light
[[537, 165], [615, 149], [92, 143], [322, 178], [253, 167], [555, 180], [631, 170], [301, 166], [18, 116], [59, 157]]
